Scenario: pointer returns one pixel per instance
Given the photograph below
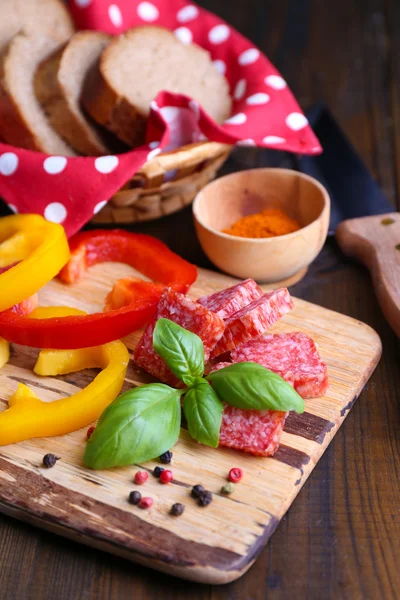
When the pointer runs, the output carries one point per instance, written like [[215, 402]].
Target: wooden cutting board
[[215, 544]]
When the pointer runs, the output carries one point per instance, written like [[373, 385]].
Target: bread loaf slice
[[58, 85], [36, 17], [22, 120], [140, 63]]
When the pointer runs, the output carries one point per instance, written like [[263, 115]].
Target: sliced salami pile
[[188, 314], [255, 431], [229, 301], [293, 356], [234, 321], [252, 320]]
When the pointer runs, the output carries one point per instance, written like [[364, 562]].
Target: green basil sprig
[[141, 424], [145, 422], [251, 386], [182, 350], [203, 412]]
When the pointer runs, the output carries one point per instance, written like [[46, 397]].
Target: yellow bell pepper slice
[[50, 312], [4, 352], [27, 416], [18, 247], [42, 248]]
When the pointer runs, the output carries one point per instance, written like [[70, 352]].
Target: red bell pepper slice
[[142, 252], [145, 253]]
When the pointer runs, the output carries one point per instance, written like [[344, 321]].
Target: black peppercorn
[[157, 471], [197, 491], [205, 499], [135, 497], [49, 460], [166, 457], [177, 509]]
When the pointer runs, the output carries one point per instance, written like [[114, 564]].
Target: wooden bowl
[[229, 198]]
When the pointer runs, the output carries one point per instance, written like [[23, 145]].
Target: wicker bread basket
[[165, 184]]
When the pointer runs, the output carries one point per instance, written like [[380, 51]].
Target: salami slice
[[293, 356], [253, 320], [226, 302], [254, 431], [190, 315]]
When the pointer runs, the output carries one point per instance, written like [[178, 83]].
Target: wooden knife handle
[[375, 241]]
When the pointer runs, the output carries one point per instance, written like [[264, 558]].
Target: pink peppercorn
[[141, 477], [145, 502], [166, 476], [89, 432], [235, 475]]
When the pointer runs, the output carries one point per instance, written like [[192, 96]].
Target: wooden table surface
[[341, 537]]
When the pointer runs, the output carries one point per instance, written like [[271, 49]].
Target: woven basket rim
[[181, 157]]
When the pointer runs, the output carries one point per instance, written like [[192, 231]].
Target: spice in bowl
[[270, 222]]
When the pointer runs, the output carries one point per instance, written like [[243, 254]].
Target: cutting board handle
[[375, 241]]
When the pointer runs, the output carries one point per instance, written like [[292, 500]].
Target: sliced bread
[[140, 63], [22, 120], [58, 86], [37, 17]]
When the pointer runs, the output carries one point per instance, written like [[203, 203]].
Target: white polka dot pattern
[[259, 98], [248, 142], [296, 121], [237, 119], [187, 13], [148, 12], [114, 12], [264, 113], [248, 57], [8, 163], [170, 113], [273, 139], [194, 106], [99, 206], [13, 208], [240, 89], [55, 212], [106, 164], [219, 34], [220, 66], [54, 164], [153, 153], [184, 35], [276, 81]]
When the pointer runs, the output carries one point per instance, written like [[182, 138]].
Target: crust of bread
[[109, 105], [35, 17], [112, 111], [60, 106], [16, 126]]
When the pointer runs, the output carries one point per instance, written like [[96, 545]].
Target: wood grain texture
[[375, 241], [213, 545]]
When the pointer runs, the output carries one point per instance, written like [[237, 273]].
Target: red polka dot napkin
[[71, 190]]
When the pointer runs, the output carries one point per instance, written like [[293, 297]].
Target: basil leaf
[[203, 412], [138, 426], [182, 350], [251, 386]]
